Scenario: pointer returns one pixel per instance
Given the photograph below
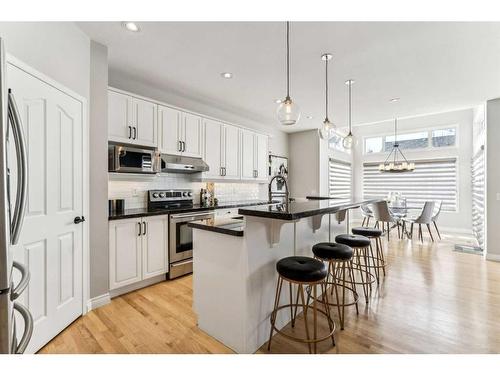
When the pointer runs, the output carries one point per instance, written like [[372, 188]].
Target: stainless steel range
[[180, 248]]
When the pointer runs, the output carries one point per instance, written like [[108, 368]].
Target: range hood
[[182, 164]]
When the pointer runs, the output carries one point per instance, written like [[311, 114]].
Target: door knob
[[79, 220]]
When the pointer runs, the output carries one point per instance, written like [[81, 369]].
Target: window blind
[[431, 180], [478, 197], [340, 179]]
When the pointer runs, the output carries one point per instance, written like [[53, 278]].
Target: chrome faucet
[[285, 182]]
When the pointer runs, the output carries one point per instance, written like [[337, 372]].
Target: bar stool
[[377, 260], [339, 259], [361, 260], [300, 271]]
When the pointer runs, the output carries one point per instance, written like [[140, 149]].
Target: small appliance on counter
[[116, 206]]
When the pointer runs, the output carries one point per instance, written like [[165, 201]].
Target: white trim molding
[[98, 301], [493, 257]]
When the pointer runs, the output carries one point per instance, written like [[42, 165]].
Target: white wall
[[278, 143], [98, 170], [458, 221], [492, 179], [59, 50]]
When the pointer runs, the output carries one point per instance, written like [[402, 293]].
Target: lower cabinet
[[138, 249]]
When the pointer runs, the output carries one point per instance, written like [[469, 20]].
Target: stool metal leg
[[275, 310], [304, 311], [353, 283]]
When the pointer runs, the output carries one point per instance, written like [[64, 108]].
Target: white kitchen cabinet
[[138, 249], [213, 149], [247, 155], [132, 120], [119, 117], [145, 116], [154, 241], [262, 156], [124, 252], [221, 150], [254, 156], [231, 152], [170, 130], [192, 135]]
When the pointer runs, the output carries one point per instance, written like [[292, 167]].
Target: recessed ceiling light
[[309, 117], [393, 100], [278, 101], [131, 26], [226, 75]]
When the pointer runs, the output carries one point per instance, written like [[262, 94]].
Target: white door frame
[[85, 170]]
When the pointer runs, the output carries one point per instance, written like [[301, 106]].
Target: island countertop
[[301, 208], [231, 226]]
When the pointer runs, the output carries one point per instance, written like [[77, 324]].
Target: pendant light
[[288, 112], [327, 126], [396, 164], [348, 140]]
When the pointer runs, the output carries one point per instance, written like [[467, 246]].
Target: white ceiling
[[432, 67]]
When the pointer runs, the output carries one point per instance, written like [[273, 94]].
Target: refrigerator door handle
[[25, 278], [22, 165], [28, 327]]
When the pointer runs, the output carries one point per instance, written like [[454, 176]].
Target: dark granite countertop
[[302, 208], [230, 226], [140, 212]]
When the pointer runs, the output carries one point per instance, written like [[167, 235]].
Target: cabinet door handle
[[179, 148], [183, 146], [220, 172], [129, 132], [139, 234], [135, 132], [144, 228]]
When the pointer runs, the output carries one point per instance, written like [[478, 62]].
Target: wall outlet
[[135, 193]]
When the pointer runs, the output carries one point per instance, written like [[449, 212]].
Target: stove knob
[[190, 194], [155, 195], [184, 194], [162, 195]]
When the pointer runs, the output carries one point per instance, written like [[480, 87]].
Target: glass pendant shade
[[288, 112], [348, 141]]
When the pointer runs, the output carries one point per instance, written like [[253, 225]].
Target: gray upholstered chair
[[425, 217], [435, 215], [367, 214], [382, 214]]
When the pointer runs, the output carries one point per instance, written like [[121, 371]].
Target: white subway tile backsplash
[[134, 188]]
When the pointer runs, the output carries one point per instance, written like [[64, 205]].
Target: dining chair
[[367, 214], [435, 214], [382, 214], [425, 217]]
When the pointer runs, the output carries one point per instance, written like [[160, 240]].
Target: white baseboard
[[493, 257], [98, 301]]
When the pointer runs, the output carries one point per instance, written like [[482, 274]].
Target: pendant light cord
[[326, 88], [350, 126], [288, 59]]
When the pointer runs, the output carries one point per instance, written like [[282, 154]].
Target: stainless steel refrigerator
[[12, 207]]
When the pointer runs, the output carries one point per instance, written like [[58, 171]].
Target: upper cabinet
[[254, 156], [221, 150], [132, 120], [180, 132]]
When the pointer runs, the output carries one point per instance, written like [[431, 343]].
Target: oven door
[[181, 236]]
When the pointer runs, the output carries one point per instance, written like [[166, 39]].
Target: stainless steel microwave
[[128, 159]]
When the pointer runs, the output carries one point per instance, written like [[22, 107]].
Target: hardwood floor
[[433, 300]]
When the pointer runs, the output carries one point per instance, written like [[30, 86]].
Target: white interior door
[[50, 244]]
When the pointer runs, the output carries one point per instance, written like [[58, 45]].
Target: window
[[431, 180], [412, 141], [443, 137], [340, 179], [408, 141]]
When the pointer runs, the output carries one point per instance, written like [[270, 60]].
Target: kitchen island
[[234, 274]]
